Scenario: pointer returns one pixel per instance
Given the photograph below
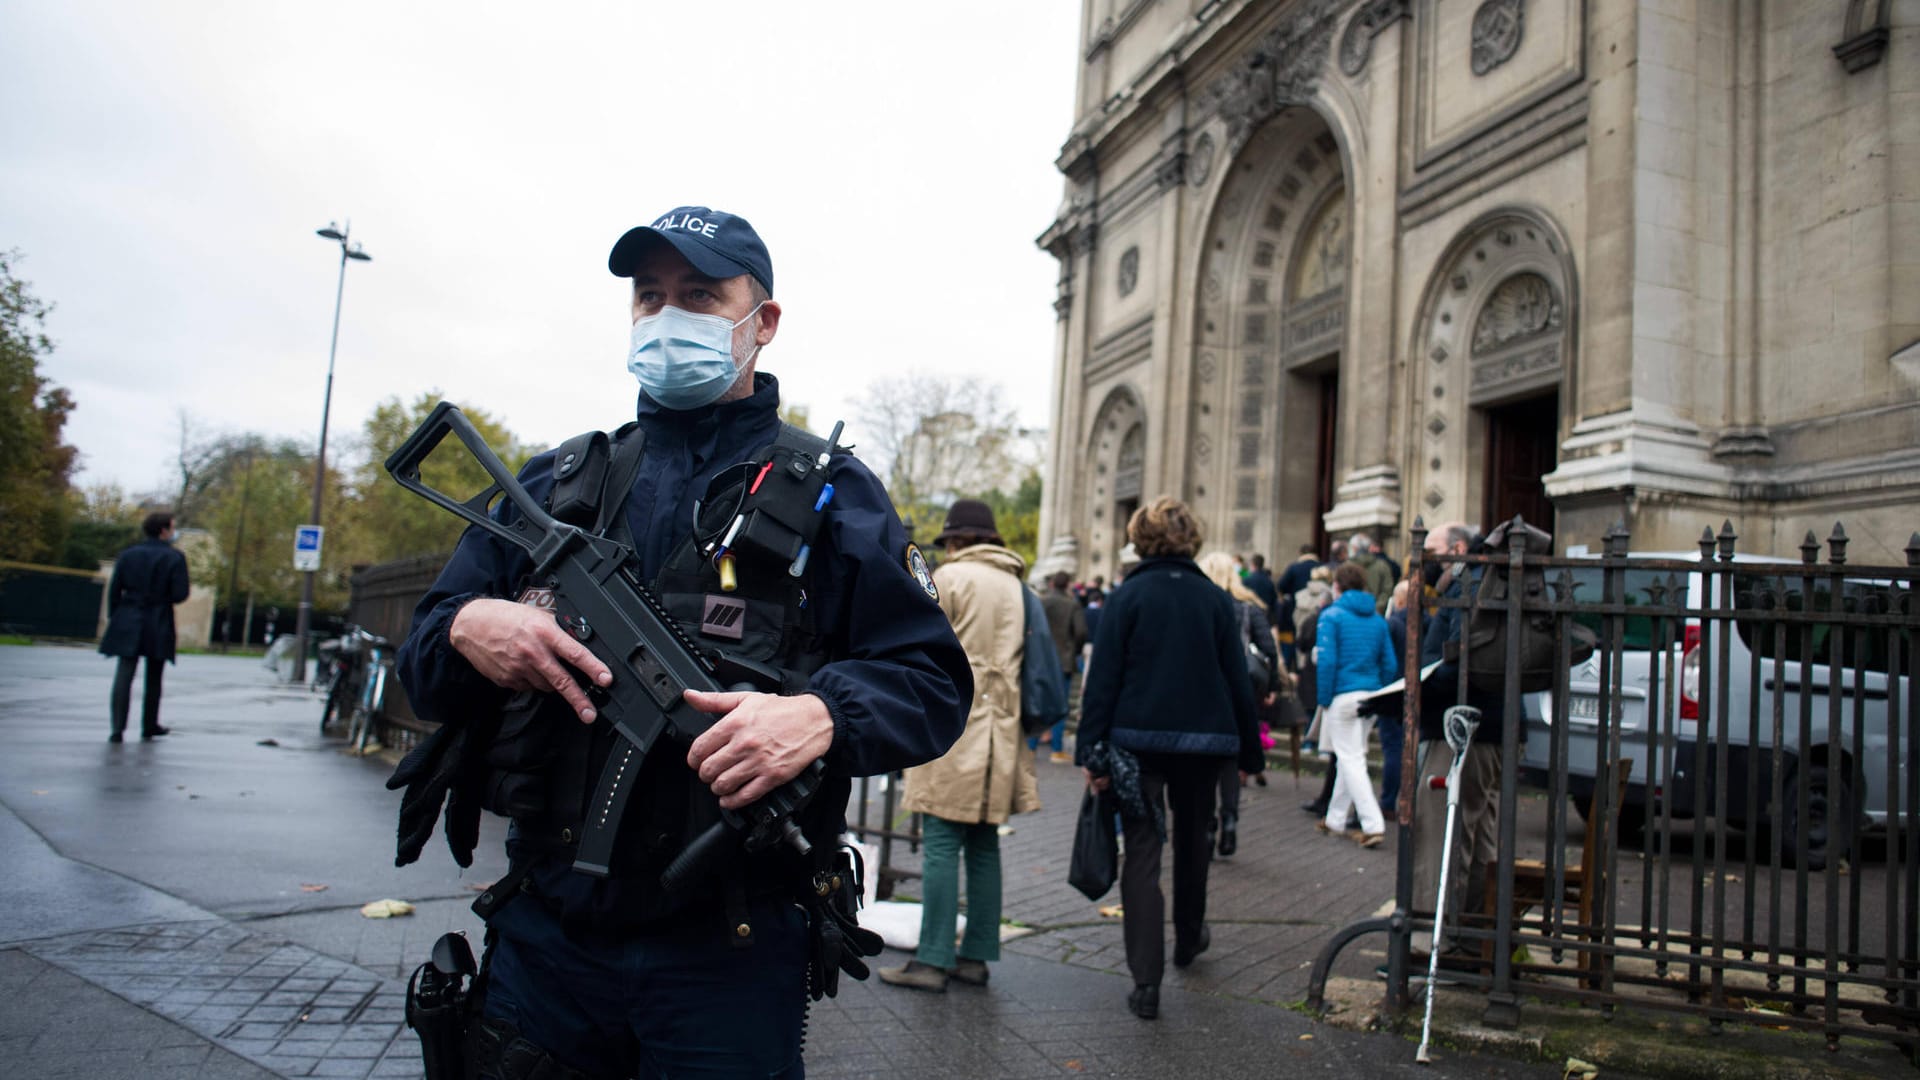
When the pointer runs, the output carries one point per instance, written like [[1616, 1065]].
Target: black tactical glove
[[439, 770]]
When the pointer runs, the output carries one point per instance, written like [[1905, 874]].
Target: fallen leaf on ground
[[386, 909], [310, 887], [39, 791], [1580, 1070], [1111, 911], [268, 742], [1306, 1038], [1073, 1065]]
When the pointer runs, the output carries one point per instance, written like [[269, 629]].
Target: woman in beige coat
[[988, 775]]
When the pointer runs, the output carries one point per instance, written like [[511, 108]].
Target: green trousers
[[941, 841]]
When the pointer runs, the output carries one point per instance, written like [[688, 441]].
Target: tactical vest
[[737, 584]]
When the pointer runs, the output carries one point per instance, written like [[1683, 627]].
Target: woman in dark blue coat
[[1168, 684], [148, 579]]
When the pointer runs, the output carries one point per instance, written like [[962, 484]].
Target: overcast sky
[[163, 168]]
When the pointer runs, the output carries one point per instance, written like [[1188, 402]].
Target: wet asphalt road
[[168, 877]]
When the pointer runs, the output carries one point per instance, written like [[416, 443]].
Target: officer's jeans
[[676, 1002], [941, 841], [122, 699]]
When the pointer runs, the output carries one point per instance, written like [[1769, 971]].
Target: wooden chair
[[1531, 884]]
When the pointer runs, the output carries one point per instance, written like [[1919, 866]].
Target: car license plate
[[1583, 708]]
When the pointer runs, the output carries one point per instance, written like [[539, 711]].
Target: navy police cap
[[717, 243]]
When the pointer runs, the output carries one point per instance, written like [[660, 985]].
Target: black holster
[[443, 1000], [838, 941], [495, 1051]]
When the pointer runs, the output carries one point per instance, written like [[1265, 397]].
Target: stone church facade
[[1326, 265]]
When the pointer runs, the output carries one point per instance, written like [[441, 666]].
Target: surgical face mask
[[683, 360]]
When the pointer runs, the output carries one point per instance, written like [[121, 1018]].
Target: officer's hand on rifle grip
[[523, 648], [760, 742]]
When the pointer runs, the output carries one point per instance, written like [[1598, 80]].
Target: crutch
[[1458, 727]]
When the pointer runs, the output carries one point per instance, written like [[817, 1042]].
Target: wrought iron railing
[[1743, 745]]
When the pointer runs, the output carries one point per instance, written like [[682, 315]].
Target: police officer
[[615, 976]]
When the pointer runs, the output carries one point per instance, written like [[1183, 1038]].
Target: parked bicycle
[[354, 668]]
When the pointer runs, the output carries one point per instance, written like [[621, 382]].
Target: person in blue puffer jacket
[[1355, 657]]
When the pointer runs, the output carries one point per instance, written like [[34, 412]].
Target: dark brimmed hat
[[718, 244], [969, 519]]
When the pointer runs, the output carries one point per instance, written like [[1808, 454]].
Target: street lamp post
[[304, 621]]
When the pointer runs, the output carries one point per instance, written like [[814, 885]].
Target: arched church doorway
[[1496, 341], [1272, 319], [1523, 445]]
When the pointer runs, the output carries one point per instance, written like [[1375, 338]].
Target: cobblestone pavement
[[156, 919], [1271, 906]]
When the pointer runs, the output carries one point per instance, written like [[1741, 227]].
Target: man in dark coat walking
[[148, 579]]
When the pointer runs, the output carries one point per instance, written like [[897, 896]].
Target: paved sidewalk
[[164, 915]]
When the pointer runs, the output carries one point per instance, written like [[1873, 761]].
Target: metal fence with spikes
[[1730, 783]]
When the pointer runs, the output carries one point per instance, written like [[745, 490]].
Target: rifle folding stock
[[599, 599]]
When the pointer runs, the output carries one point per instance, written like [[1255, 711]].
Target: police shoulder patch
[[922, 573]]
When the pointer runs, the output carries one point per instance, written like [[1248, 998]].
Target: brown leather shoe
[[1367, 839], [971, 972], [916, 976]]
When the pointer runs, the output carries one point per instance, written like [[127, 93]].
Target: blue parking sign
[[306, 547]]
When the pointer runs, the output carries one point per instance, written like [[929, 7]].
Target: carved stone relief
[[1282, 68], [1356, 45], [1522, 306], [1200, 161], [1497, 28], [1129, 275], [1323, 254], [1171, 171], [1130, 468]]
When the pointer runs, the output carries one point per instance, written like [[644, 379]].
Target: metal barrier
[[862, 826], [1744, 745]]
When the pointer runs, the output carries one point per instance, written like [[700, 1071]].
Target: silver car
[[1778, 688]]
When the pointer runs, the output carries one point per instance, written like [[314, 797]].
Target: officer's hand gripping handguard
[[599, 599]]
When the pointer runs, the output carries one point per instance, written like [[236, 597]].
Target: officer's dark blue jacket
[[897, 682]]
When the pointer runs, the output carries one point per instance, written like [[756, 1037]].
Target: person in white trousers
[[1354, 656]]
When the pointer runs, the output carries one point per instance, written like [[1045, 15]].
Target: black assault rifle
[[599, 599]]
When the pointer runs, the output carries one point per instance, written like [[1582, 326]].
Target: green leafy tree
[[250, 491], [382, 521], [104, 523], [35, 466], [1018, 515]]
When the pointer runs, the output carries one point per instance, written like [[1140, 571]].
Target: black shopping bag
[[1096, 852]]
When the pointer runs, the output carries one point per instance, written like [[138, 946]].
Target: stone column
[[1071, 240], [1373, 405]]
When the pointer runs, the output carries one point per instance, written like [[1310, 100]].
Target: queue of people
[[1183, 668]]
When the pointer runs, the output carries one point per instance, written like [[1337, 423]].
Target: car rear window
[[1865, 647], [1640, 632]]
